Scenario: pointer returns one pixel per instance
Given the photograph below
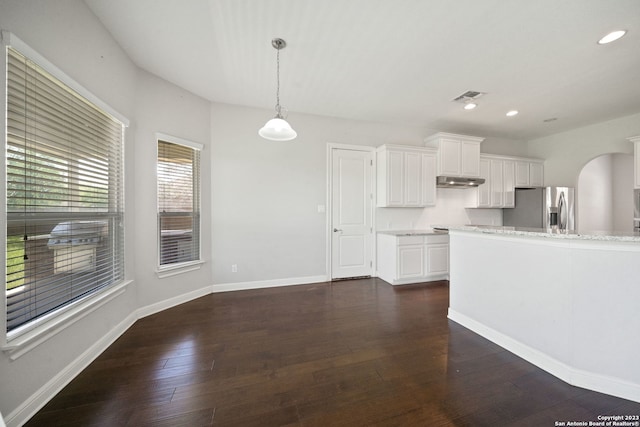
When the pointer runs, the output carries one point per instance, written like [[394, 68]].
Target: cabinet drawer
[[410, 240], [442, 238]]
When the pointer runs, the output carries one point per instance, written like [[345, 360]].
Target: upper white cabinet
[[636, 163], [529, 173], [406, 176], [458, 155], [498, 190], [509, 181]]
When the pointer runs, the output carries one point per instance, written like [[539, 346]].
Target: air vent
[[469, 95]]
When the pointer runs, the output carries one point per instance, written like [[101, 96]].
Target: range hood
[[458, 182]]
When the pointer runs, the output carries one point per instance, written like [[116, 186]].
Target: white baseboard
[[259, 284], [172, 302], [36, 401], [577, 377]]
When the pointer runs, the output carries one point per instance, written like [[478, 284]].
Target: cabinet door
[[410, 261], [536, 174], [428, 179], [412, 179], [450, 157], [470, 159], [395, 178], [437, 259], [484, 190], [522, 174], [496, 184], [509, 191]]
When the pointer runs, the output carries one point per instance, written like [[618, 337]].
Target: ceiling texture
[[396, 61]]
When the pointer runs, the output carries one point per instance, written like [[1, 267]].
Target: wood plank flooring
[[347, 353]]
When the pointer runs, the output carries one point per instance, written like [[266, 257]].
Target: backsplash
[[450, 209]]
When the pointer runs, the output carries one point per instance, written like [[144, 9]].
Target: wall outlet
[[234, 268]]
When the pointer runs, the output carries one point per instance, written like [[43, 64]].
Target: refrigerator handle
[[562, 212]]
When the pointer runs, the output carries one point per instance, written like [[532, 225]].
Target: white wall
[[163, 107], [566, 153], [265, 194], [622, 193], [70, 36]]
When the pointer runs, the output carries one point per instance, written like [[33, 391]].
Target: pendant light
[[278, 129]]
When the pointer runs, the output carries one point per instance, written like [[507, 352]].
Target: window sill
[[183, 267], [27, 341]]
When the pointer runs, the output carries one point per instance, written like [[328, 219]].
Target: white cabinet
[[429, 179], [413, 259], [509, 181], [484, 190], [636, 163], [529, 173], [458, 155], [498, 190], [406, 176], [496, 183]]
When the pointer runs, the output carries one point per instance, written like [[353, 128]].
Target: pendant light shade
[[278, 129]]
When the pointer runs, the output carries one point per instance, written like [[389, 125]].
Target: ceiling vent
[[469, 95]]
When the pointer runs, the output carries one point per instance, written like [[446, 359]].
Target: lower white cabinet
[[413, 259]]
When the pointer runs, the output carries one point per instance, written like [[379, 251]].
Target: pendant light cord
[[278, 108]]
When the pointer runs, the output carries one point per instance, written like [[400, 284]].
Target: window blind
[[178, 203], [64, 194]]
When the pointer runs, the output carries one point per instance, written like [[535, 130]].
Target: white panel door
[[352, 212], [509, 176], [428, 179]]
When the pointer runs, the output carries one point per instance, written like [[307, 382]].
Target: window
[[64, 195], [178, 202]]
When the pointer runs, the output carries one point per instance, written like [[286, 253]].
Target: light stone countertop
[[424, 232], [610, 236]]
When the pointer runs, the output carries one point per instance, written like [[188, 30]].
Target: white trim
[[37, 400], [175, 269], [49, 326], [172, 302], [179, 141], [329, 211], [10, 39], [273, 283], [577, 377]]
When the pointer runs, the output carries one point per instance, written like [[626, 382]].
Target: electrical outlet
[[234, 268]]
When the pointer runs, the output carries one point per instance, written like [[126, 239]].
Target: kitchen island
[[567, 302]]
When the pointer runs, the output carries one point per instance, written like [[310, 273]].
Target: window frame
[[38, 330], [172, 269]]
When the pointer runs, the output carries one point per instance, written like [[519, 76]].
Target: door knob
[[336, 230]]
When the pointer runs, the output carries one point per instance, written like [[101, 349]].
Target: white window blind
[[64, 194], [178, 203]]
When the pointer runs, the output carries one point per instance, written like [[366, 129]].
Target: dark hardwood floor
[[345, 353]]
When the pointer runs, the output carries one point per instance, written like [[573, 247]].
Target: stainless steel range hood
[[458, 182]]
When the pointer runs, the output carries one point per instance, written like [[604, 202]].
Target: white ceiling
[[396, 61]]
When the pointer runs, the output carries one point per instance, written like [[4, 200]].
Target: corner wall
[[566, 153]]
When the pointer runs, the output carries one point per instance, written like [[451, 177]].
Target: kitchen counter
[[610, 236], [566, 302], [424, 232]]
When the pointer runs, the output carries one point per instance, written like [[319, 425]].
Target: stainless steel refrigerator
[[550, 207]]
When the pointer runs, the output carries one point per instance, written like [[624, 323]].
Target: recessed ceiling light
[[470, 105], [612, 36], [512, 113]]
